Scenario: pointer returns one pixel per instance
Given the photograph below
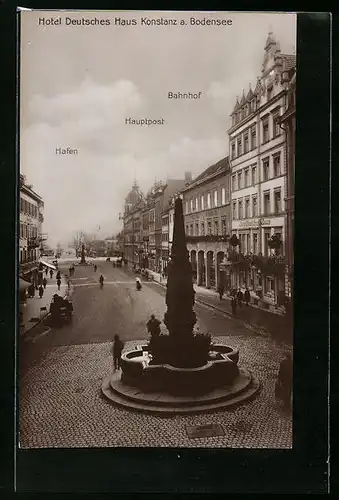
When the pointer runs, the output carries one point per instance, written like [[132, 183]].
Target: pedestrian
[[41, 291], [153, 326], [283, 386], [95, 268], [58, 283], [118, 346], [221, 290], [46, 271], [58, 275], [234, 306], [70, 271], [44, 282], [240, 297], [247, 296], [51, 273]]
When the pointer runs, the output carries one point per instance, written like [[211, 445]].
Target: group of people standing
[[237, 297]]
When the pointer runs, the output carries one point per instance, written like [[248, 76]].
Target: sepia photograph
[[156, 229]]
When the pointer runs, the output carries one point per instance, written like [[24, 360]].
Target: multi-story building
[[257, 157], [206, 204], [167, 218], [132, 222], [31, 219], [288, 124]]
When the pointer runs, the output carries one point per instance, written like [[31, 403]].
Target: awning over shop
[[23, 284], [47, 264]]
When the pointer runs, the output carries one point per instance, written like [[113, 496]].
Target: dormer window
[[233, 120]]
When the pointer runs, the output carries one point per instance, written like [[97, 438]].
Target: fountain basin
[[220, 370]]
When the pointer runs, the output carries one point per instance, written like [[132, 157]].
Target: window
[[269, 93], [277, 201], [266, 247], [209, 227], [267, 203], [187, 232], [223, 225], [192, 205], [196, 229], [234, 187], [246, 142], [233, 120], [266, 169], [216, 226], [254, 175], [186, 207], [234, 210], [242, 242], [253, 138], [240, 214], [239, 146], [192, 230], [248, 243], [265, 133], [276, 165], [223, 196], [202, 202], [239, 180], [202, 229], [247, 177], [208, 200], [247, 208], [255, 243], [233, 150], [253, 105], [276, 127], [215, 198], [254, 206]]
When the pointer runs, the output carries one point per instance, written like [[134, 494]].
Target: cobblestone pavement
[[61, 404]]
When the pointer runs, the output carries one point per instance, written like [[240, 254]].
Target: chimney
[[188, 178]]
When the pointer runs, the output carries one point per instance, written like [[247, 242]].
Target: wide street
[[62, 371]]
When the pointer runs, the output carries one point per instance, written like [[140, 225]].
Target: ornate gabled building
[[206, 202], [288, 124], [258, 173]]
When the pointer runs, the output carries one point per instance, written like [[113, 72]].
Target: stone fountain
[[182, 371]]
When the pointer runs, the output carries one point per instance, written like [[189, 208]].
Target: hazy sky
[[79, 83]]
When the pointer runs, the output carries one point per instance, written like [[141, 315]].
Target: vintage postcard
[[156, 229]]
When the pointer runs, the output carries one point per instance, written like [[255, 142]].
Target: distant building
[[30, 239], [258, 174], [206, 202], [134, 203]]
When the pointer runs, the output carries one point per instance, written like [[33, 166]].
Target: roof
[[289, 61], [213, 170], [236, 107], [249, 94]]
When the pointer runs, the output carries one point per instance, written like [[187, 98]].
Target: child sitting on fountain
[[118, 346]]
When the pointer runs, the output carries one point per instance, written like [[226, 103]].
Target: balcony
[[208, 238]]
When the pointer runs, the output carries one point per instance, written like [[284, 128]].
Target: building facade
[[132, 220], [288, 124], [30, 235], [258, 175], [206, 203], [167, 234]]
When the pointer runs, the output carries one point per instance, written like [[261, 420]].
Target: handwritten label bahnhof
[[142, 21]]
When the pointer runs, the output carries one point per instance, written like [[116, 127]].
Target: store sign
[[255, 223]]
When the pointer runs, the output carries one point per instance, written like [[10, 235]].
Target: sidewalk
[[35, 309], [262, 320]]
